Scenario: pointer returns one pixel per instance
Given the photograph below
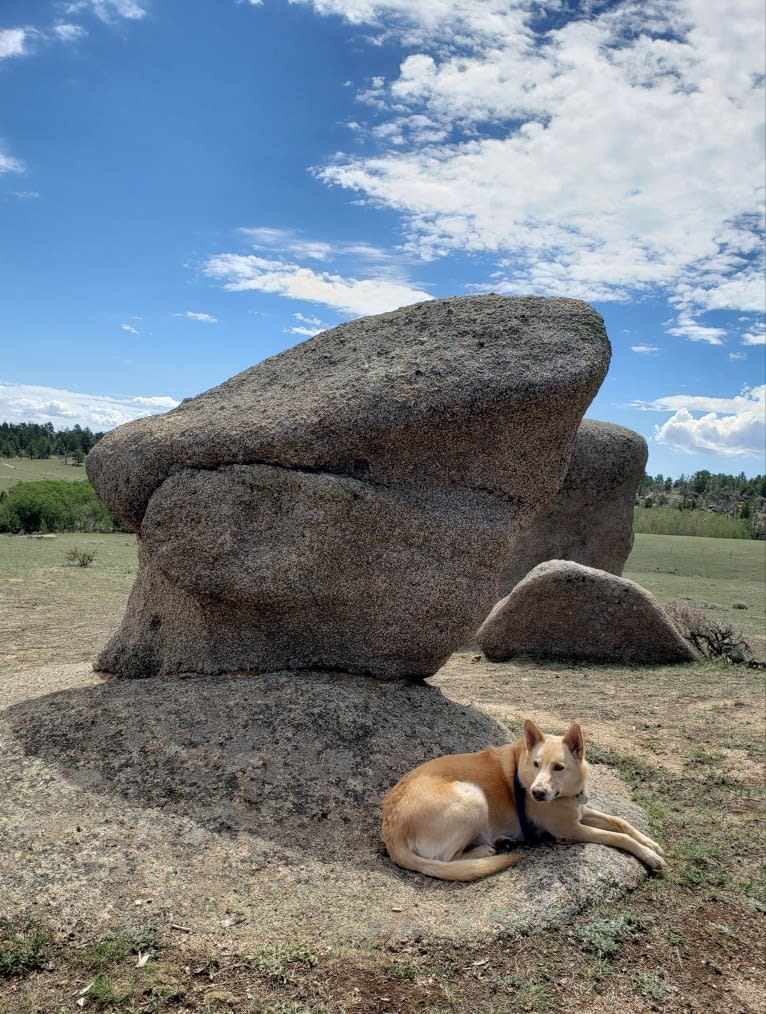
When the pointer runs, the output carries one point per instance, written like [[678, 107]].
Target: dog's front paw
[[653, 860], [506, 844]]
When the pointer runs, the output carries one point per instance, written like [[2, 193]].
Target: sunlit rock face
[[564, 610]]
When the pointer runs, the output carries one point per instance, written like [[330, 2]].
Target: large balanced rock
[[590, 519], [348, 503], [564, 610]]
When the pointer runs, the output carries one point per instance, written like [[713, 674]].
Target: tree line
[[727, 506], [41, 440]]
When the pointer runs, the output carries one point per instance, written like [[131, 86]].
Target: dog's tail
[[456, 869]]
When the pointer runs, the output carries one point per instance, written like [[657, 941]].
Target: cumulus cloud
[[696, 332], [606, 151], [354, 278], [63, 408], [701, 424], [645, 350], [348, 295], [13, 42]]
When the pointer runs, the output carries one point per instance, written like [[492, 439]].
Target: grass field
[[714, 574], [51, 609], [687, 739], [13, 470]]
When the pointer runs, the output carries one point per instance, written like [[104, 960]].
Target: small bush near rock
[[80, 557], [711, 638], [739, 605]]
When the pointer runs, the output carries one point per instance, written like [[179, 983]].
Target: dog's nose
[[538, 793]]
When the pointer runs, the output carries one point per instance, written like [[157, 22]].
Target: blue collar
[[527, 830]]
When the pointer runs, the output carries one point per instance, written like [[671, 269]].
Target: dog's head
[[552, 766]]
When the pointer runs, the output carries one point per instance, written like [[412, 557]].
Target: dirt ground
[[686, 742]]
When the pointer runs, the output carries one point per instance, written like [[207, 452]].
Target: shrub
[[708, 636], [80, 557], [667, 521], [54, 505]]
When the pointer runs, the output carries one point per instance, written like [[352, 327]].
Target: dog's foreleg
[[616, 840], [595, 818]]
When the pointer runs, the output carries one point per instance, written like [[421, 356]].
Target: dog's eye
[[558, 767], [536, 763]]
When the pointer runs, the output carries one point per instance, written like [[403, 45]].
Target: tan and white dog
[[452, 817]]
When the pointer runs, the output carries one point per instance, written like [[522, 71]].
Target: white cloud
[[738, 355], [13, 42], [289, 242], [108, 10], [68, 32], [743, 402], [26, 195], [204, 318], [304, 332], [614, 152], [695, 332], [286, 241], [313, 321], [8, 164], [647, 350], [39, 404], [348, 295], [756, 335], [729, 426], [129, 328], [307, 326]]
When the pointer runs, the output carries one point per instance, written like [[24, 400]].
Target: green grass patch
[[654, 986], [23, 948], [719, 576], [13, 470], [280, 961], [602, 936]]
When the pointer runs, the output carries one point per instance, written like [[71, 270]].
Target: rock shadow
[[301, 761]]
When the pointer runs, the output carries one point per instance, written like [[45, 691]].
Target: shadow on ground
[[302, 761]]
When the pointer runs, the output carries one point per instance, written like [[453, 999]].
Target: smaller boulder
[[566, 610]]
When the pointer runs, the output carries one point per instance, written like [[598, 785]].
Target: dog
[[455, 817]]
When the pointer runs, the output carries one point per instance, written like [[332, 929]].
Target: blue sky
[[189, 186]]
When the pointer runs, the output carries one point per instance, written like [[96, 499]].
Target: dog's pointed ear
[[573, 739], [532, 734]]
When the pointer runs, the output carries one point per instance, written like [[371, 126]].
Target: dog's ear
[[573, 739], [532, 734]]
